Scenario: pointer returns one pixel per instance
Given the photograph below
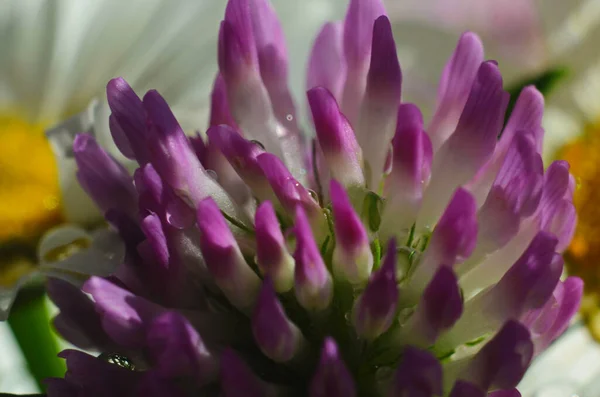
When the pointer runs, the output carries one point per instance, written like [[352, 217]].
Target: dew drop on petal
[[258, 143], [212, 174], [118, 360]]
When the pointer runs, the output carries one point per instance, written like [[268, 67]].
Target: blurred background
[[56, 57]]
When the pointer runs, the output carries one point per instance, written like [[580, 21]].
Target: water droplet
[[289, 117], [313, 194], [212, 174], [258, 143], [118, 360]]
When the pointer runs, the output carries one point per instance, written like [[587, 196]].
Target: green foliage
[[545, 82]]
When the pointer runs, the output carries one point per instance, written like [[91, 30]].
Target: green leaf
[[30, 324]]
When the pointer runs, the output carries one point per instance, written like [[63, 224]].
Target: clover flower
[[384, 258]]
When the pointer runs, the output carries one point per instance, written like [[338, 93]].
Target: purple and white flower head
[[385, 257]]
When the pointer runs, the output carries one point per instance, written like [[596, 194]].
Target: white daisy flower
[[529, 38]]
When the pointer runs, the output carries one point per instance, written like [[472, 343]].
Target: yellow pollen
[[583, 255], [29, 189]]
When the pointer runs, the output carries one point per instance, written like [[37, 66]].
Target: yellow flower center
[[583, 255], [29, 191]]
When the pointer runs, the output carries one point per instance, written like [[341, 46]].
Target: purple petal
[[505, 393], [177, 350], [530, 281], [77, 321], [95, 377], [358, 30], [153, 386], [419, 374], [238, 63], [515, 195], [336, 138], [237, 379], [266, 27], [219, 106], [570, 300], [237, 48], [411, 163], [326, 65], [277, 337], [455, 234], [472, 143], [312, 281], [213, 159], [158, 198], [128, 119], [332, 378], [466, 389], [174, 159], [556, 212], [120, 138], [522, 159], [358, 36], [378, 113], [526, 115], [152, 228], [271, 252], [125, 316], [352, 256], [272, 57], [556, 186], [200, 148], [539, 321], [454, 87], [385, 78], [440, 307], [106, 181], [128, 229], [527, 285], [452, 240], [273, 70], [411, 166], [243, 157], [502, 362], [563, 224], [290, 193], [375, 309], [57, 387], [223, 257]]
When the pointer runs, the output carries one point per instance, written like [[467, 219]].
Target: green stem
[[30, 324]]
